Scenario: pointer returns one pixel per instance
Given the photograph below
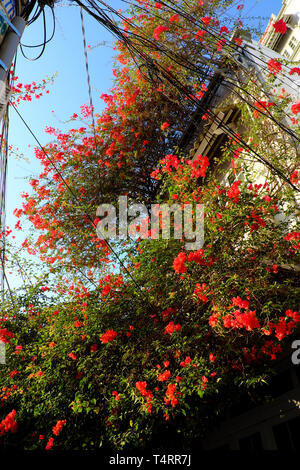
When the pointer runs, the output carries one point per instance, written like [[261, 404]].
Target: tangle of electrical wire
[[154, 69], [45, 40]]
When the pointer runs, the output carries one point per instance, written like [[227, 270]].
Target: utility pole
[[8, 48]]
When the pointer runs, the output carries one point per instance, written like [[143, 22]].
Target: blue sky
[[64, 55]]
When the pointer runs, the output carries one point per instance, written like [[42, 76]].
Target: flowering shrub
[[119, 356]]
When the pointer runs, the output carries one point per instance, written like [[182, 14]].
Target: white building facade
[[287, 44]]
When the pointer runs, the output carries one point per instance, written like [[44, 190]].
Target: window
[[252, 442], [293, 43], [287, 435], [286, 54]]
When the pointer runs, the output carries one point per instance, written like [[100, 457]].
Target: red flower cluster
[[50, 444], [116, 395], [171, 328], [285, 327], [164, 126], [186, 361], [295, 108], [174, 18], [294, 178], [294, 70], [166, 313], [280, 26], [213, 319], [201, 290], [234, 192], [5, 335], [164, 376], [238, 302], [58, 427], [178, 263], [271, 350], [142, 388], [274, 66], [158, 30], [246, 320], [197, 257], [108, 336], [168, 162], [261, 106], [199, 165], [8, 424], [171, 395], [206, 20]]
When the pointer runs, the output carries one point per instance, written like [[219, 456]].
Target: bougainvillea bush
[[140, 342]]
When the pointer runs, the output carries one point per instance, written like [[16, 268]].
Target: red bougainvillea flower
[[274, 66], [213, 319], [116, 395], [294, 177], [234, 192], [164, 376], [295, 108], [178, 263], [141, 386], [164, 126], [206, 20], [261, 105], [108, 336], [73, 356], [58, 427], [171, 328], [201, 291], [106, 290], [238, 302], [224, 29], [280, 26], [186, 361], [239, 41], [50, 444], [157, 32], [295, 70], [171, 395], [8, 424], [5, 335], [174, 18]]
